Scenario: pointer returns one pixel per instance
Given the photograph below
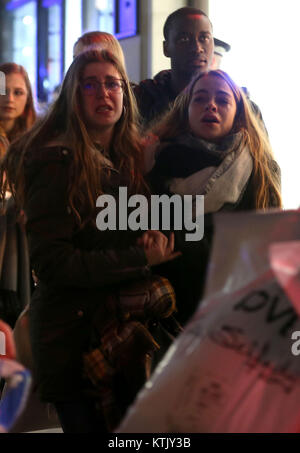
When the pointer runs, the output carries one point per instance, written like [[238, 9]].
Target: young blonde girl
[[211, 144], [245, 135]]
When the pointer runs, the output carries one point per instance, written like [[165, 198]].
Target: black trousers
[[80, 417]]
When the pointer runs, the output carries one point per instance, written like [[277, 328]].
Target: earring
[[124, 110]]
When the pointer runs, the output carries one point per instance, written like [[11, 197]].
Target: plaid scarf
[[122, 347]]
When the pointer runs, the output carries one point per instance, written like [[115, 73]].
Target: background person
[[189, 44], [220, 47], [17, 115], [17, 112], [99, 40]]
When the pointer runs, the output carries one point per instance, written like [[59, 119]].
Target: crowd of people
[[203, 137]]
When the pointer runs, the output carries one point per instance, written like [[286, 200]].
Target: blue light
[[16, 4], [127, 18], [42, 72], [49, 3]]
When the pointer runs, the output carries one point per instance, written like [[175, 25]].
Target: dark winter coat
[[76, 269], [179, 160], [15, 274], [154, 96]]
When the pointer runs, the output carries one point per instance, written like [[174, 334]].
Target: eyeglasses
[[92, 88]]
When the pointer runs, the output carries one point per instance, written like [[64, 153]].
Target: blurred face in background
[[212, 109], [13, 103]]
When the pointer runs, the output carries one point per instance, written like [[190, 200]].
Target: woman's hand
[[158, 248]]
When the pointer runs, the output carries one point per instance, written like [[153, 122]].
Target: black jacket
[[154, 97], [76, 268], [187, 273]]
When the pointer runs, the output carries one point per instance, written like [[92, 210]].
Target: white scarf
[[220, 185]]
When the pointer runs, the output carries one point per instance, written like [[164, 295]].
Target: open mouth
[[103, 108], [210, 120]]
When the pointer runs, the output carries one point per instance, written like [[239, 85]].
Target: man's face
[[190, 44]]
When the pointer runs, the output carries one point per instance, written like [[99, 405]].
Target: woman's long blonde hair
[[176, 122], [28, 117], [65, 119]]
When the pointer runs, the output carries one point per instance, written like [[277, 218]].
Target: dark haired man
[[189, 43]]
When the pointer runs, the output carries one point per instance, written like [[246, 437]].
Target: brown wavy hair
[[65, 119], [176, 122], [28, 117]]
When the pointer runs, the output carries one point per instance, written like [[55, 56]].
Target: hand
[[158, 248]]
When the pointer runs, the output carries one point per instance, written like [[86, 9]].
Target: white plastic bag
[[233, 369]]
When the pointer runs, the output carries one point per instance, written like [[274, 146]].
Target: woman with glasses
[[86, 146]]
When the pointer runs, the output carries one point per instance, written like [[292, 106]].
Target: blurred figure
[[17, 112], [220, 48], [17, 115], [98, 40]]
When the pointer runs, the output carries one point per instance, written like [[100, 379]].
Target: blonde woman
[[86, 146], [211, 144], [212, 136]]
